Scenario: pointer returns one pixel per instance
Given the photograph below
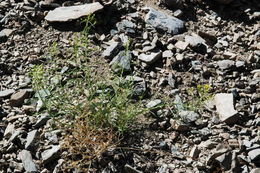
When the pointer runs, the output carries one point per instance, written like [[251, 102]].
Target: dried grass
[[85, 143]]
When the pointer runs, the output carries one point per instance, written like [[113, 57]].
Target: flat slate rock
[[65, 14], [164, 22]]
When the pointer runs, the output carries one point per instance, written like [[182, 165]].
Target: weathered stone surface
[[225, 107], [9, 130], [164, 22], [6, 93], [189, 116], [154, 103], [50, 154], [112, 49], [28, 163], [65, 14], [31, 137], [18, 98], [150, 58]]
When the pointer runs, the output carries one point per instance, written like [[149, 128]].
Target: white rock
[[64, 14], [225, 107], [149, 59]]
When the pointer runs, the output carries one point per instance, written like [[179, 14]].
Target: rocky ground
[[176, 46]]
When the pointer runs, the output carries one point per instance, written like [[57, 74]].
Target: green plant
[[199, 96], [92, 104]]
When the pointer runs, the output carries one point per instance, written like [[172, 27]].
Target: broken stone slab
[[164, 22], [65, 14], [149, 59], [197, 43], [112, 49], [18, 98], [27, 161], [30, 140], [225, 107], [154, 103], [6, 93], [50, 154]]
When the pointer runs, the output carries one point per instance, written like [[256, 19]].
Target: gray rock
[[18, 98], [181, 45], [4, 34], [254, 154], [50, 154], [6, 93], [139, 90], [42, 121], [225, 107], [225, 64], [154, 103], [112, 49], [30, 140], [9, 130], [150, 58], [27, 161], [178, 103], [122, 62], [167, 54], [179, 125], [65, 14], [225, 160], [164, 22], [189, 116], [126, 26], [197, 43]]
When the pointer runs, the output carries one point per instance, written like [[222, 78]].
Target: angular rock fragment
[[18, 98], [28, 163], [65, 14], [149, 59], [9, 130], [154, 103], [6, 93], [122, 62], [111, 50], [31, 137], [50, 154], [225, 107], [164, 22]]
